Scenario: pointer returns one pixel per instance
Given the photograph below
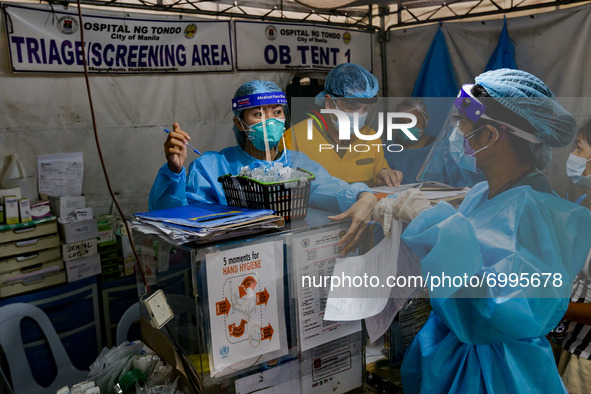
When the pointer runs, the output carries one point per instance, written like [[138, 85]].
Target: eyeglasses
[[350, 105]]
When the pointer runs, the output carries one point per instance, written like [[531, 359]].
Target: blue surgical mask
[[575, 166], [458, 152], [361, 118], [275, 128]]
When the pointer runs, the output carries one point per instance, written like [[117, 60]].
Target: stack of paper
[[433, 191], [206, 222]]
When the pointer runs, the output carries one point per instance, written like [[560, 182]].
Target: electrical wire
[[100, 153]]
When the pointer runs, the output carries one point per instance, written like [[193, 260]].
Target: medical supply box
[[62, 206], [76, 231], [77, 250], [83, 267]]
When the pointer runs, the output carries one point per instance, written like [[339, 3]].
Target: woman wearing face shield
[[351, 89], [515, 246], [575, 361], [259, 123]]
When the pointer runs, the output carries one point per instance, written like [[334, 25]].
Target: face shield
[[355, 111], [266, 133], [451, 159]]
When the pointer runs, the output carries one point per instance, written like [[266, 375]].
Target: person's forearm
[[579, 312]]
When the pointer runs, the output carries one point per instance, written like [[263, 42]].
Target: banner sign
[[282, 46], [46, 40]]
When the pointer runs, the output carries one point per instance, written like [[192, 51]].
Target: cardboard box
[[80, 249], [105, 234], [24, 208], [83, 268], [65, 205], [72, 232], [11, 209]]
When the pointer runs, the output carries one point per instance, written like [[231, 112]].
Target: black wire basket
[[287, 198]]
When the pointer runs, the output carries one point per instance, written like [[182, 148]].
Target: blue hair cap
[[348, 80], [255, 87], [530, 98]]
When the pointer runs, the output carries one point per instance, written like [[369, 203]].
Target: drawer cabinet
[[30, 257]]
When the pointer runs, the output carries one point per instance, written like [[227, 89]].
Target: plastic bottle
[[15, 173]]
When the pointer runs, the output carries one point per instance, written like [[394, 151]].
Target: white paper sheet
[[394, 189], [442, 194], [314, 255], [60, 174], [277, 380], [377, 325], [335, 367], [359, 302], [408, 265], [445, 191]]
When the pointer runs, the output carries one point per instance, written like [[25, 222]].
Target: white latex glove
[[406, 206]]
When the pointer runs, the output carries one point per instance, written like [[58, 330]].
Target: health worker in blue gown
[[412, 157], [526, 244], [259, 109]]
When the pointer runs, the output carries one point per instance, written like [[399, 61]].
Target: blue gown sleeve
[[168, 190], [328, 192], [202, 184], [529, 235]]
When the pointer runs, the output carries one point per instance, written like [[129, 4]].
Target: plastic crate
[[287, 198]]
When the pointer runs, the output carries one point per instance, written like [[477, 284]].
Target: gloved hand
[[406, 206]]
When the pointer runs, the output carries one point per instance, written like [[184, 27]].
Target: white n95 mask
[[575, 166]]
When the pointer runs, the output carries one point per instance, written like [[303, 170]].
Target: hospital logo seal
[[190, 31], [271, 32], [67, 25], [347, 37]]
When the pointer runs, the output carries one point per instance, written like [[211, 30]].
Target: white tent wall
[[49, 113], [554, 46]]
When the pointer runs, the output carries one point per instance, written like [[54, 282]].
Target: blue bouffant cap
[[530, 98], [348, 80]]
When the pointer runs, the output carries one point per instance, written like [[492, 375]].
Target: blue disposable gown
[[493, 339], [201, 184]]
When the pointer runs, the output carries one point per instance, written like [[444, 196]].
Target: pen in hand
[[186, 143]]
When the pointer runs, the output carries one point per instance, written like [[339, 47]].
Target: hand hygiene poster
[[244, 305]]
